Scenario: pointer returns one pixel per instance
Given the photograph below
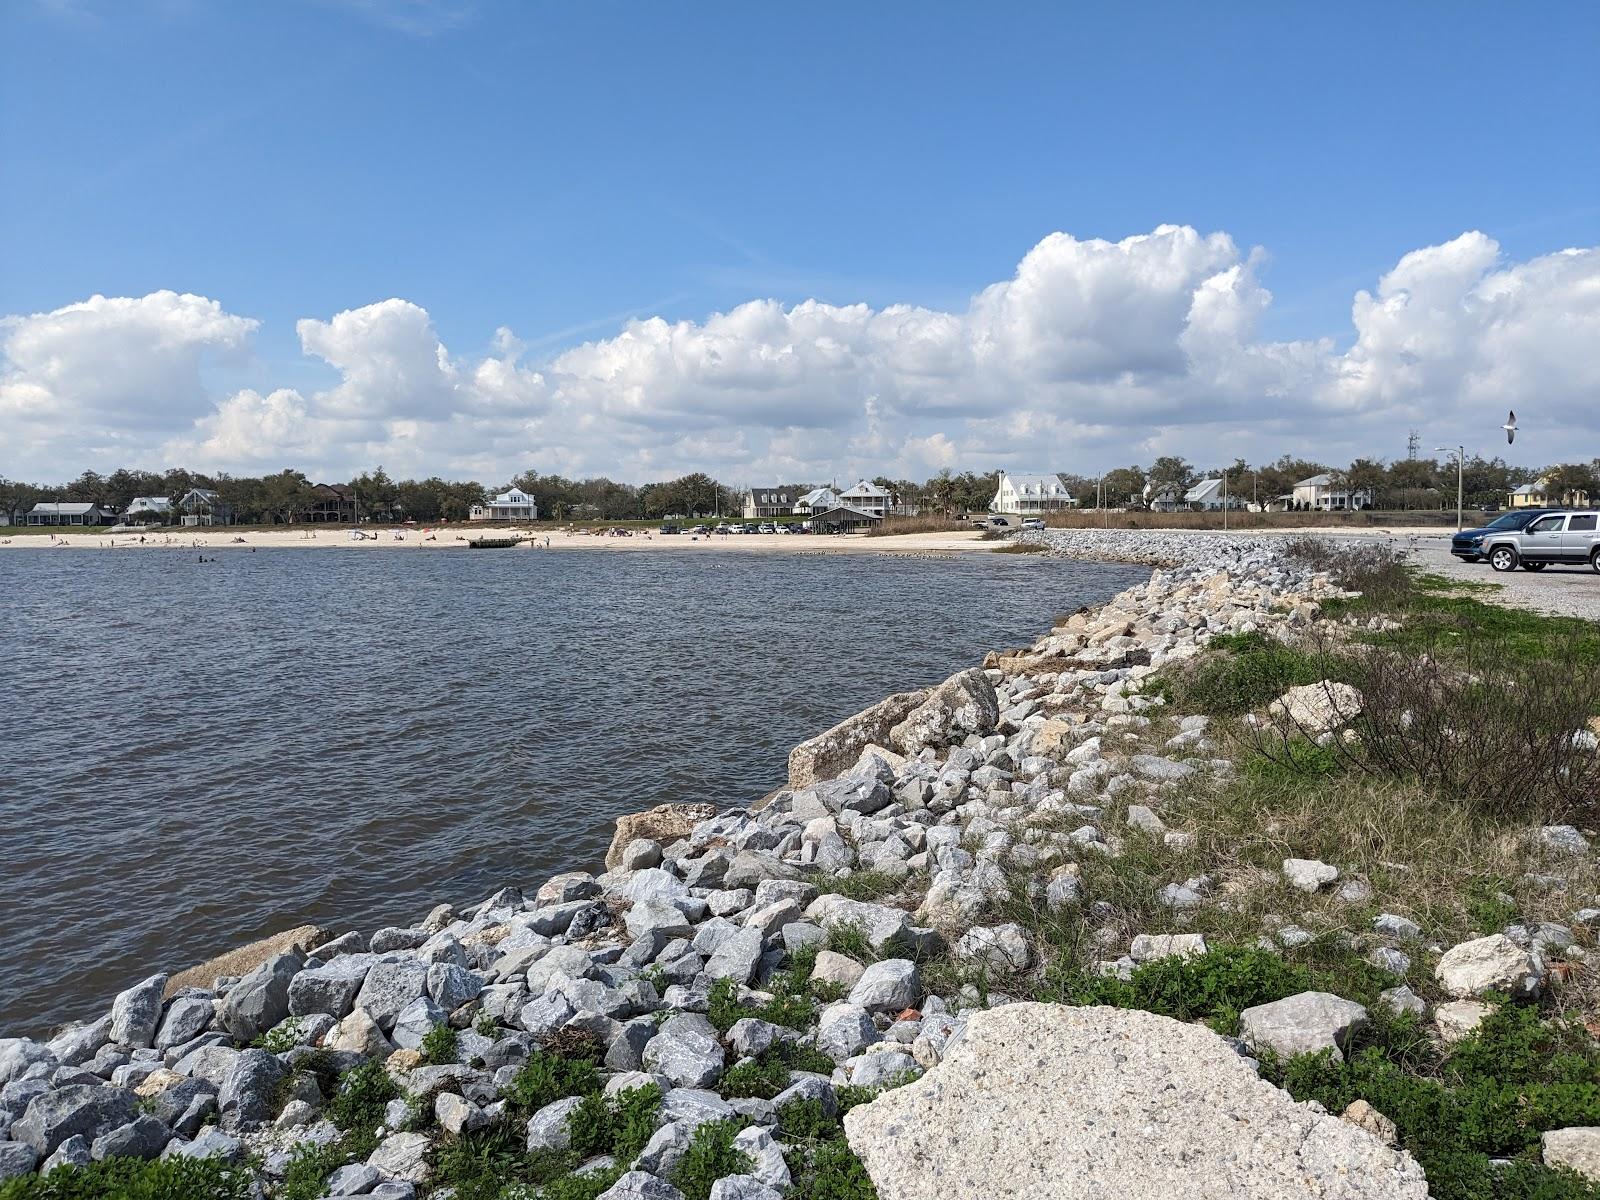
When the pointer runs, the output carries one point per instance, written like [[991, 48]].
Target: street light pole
[[1461, 466]]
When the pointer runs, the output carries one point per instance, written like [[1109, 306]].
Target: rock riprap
[[1043, 1101]]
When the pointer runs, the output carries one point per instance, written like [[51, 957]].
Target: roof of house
[[514, 496], [1315, 481], [1528, 489], [151, 503], [204, 495], [821, 495], [1201, 490], [1034, 485], [64, 508], [865, 488]]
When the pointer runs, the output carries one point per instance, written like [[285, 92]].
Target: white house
[[762, 502], [514, 505], [817, 500], [147, 508], [1319, 492], [1029, 495], [867, 497], [1207, 494], [52, 512]]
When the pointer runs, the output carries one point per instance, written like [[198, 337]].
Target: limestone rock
[[1488, 964], [1103, 1104], [1363, 1116], [663, 824], [136, 1012], [1576, 1148], [1318, 708], [965, 703], [1308, 874], [836, 750], [890, 985], [1459, 1018], [1302, 1024]]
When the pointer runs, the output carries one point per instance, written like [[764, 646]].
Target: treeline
[[266, 499]]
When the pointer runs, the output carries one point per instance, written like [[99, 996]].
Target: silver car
[[1564, 537]]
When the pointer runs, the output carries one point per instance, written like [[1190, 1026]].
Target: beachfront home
[[1543, 495], [512, 505], [203, 506], [1030, 495], [763, 502], [52, 512], [1320, 493], [1207, 495], [817, 500], [331, 503], [868, 497], [147, 510], [844, 518]]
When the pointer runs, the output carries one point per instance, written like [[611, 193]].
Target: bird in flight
[[1510, 427]]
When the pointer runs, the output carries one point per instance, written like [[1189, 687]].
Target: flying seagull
[[1510, 427]]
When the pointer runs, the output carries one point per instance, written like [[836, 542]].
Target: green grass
[[1248, 671], [547, 1077], [1491, 1098], [135, 1179], [1437, 613], [439, 1045]]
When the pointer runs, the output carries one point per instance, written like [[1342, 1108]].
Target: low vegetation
[[135, 1179]]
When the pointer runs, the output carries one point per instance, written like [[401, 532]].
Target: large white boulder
[[1040, 1101], [1489, 964], [1318, 708]]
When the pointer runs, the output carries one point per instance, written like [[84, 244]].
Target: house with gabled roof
[[868, 497], [55, 512], [1030, 495]]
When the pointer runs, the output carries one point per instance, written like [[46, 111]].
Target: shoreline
[[858, 931]]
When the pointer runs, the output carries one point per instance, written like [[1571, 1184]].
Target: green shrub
[[835, 1173], [494, 1162], [850, 939], [546, 1078], [634, 1120], [135, 1179], [725, 1010], [309, 1168], [439, 1045], [709, 1157], [760, 1078], [485, 1025], [1247, 671], [281, 1038], [587, 1186], [806, 1120], [359, 1103], [1214, 987], [591, 1127]]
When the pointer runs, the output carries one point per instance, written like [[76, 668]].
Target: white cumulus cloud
[[1092, 353]]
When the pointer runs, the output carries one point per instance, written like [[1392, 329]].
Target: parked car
[[1468, 544], [1033, 522], [999, 523], [1557, 537], [669, 528], [767, 527], [702, 530]]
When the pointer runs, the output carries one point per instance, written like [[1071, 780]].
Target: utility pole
[[1460, 453], [1224, 502]]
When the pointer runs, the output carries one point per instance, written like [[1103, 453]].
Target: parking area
[[1567, 591]]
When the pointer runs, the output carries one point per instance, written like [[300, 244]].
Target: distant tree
[[1170, 473], [1121, 486]]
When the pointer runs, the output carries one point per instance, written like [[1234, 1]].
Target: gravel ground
[[1563, 590]]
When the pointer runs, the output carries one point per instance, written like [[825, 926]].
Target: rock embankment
[[718, 960]]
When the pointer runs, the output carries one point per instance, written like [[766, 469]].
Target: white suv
[[1560, 537]]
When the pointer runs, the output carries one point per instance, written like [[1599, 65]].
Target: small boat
[[494, 543]]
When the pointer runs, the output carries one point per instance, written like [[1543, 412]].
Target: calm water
[[201, 754]]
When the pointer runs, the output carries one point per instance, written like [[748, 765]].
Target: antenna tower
[[1412, 442]]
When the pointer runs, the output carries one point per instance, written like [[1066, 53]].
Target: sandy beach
[[455, 538]]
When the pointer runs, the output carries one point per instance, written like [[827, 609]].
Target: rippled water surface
[[201, 754]]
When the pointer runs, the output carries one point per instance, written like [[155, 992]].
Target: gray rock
[[209, 1143], [547, 1128], [845, 1030], [1576, 1149], [885, 928], [1172, 1109], [403, 1156], [247, 1095], [1401, 1000], [638, 1185], [331, 988], [1561, 839], [649, 918], [390, 938], [184, 1106], [136, 1012], [353, 1179], [965, 703], [1395, 926], [452, 986], [144, 1137], [1306, 1023], [388, 988], [187, 1017], [16, 1158], [76, 1044], [457, 1115], [1000, 948], [686, 1051], [74, 1152], [890, 985], [415, 1021], [1147, 947], [18, 1055], [737, 956], [260, 1000], [79, 1108], [743, 1187], [765, 1155], [1161, 770]]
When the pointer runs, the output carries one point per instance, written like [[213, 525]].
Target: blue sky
[[555, 169]]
